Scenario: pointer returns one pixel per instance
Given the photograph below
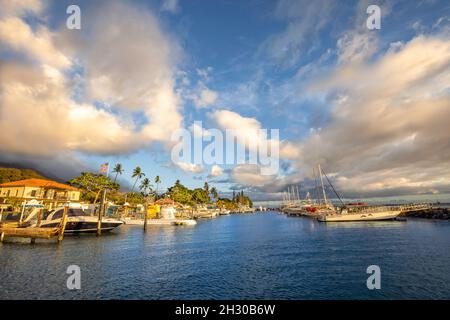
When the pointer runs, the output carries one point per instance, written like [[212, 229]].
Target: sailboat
[[359, 212]]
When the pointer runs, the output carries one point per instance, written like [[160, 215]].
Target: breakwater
[[432, 213]]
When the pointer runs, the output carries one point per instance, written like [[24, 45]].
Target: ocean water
[[254, 256]]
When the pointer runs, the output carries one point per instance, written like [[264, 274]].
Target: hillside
[[14, 174]]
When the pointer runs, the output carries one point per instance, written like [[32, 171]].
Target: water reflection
[[367, 224]]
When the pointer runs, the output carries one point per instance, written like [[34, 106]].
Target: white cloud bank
[[122, 69], [388, 130]]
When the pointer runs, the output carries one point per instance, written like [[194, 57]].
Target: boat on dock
[[78, 221]]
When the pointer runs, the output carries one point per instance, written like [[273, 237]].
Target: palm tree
[[145, 185], [117, 170], [157, 181], [206, 187], [138, 174], [214, 193]]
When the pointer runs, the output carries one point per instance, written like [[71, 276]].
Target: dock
[[15, 230]]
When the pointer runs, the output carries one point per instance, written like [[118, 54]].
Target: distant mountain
[[14, 174], [27, 167]]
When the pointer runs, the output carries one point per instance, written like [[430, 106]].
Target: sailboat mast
[[289, 195], [317, 186], [323, 188]]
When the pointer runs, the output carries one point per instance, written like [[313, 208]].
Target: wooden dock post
[[145, 215], [101, 212], [62, 227]]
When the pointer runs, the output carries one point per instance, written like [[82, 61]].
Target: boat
[[78, 221], [205, 212], [160, 222], [375, 213], [355, 211], [224, 212]]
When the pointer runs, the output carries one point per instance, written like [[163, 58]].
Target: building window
[[17, 193], [33, 193]]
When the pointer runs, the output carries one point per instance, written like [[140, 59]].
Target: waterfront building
[[51, 193]]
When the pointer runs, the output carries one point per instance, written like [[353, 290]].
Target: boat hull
[[83, 224], [360, 216], [160, 222]]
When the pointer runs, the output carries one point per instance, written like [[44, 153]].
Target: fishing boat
[[78, 220]]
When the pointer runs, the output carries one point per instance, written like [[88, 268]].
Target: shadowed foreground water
[[257, 256]]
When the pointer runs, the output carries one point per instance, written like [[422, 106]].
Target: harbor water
[[251, 256]]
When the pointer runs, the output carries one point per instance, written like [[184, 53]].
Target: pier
[[14, 229]]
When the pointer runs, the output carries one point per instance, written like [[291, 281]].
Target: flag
[[104, 168]]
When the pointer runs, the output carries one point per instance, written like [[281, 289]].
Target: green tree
[[138, 174], [206, 187], [200, 196], [134, 198], [145, 185], [117, 170], [91, 184], [214, 193], [180, 193]]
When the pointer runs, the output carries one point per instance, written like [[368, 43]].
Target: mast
[[323, 189], [298, 195], [289, 196], [335, 192], [316, 186]]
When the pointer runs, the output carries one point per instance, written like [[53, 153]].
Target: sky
[[370, 106]]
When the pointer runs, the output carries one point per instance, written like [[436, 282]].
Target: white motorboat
[[160, 222], [78, 221]]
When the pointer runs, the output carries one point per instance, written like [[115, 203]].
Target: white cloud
[[20, 7], [38, 46], [37, 105], [305, 19], [171, 6], [216, 171], [198, 131], [205, 97], [189, 167], [204, 72], [388, 129]]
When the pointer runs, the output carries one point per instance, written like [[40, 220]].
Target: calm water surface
[[257, 256]]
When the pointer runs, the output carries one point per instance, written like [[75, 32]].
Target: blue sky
[[311, 69]]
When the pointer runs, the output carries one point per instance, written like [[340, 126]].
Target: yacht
[[375, 213], [356, 211], [78, 221]]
